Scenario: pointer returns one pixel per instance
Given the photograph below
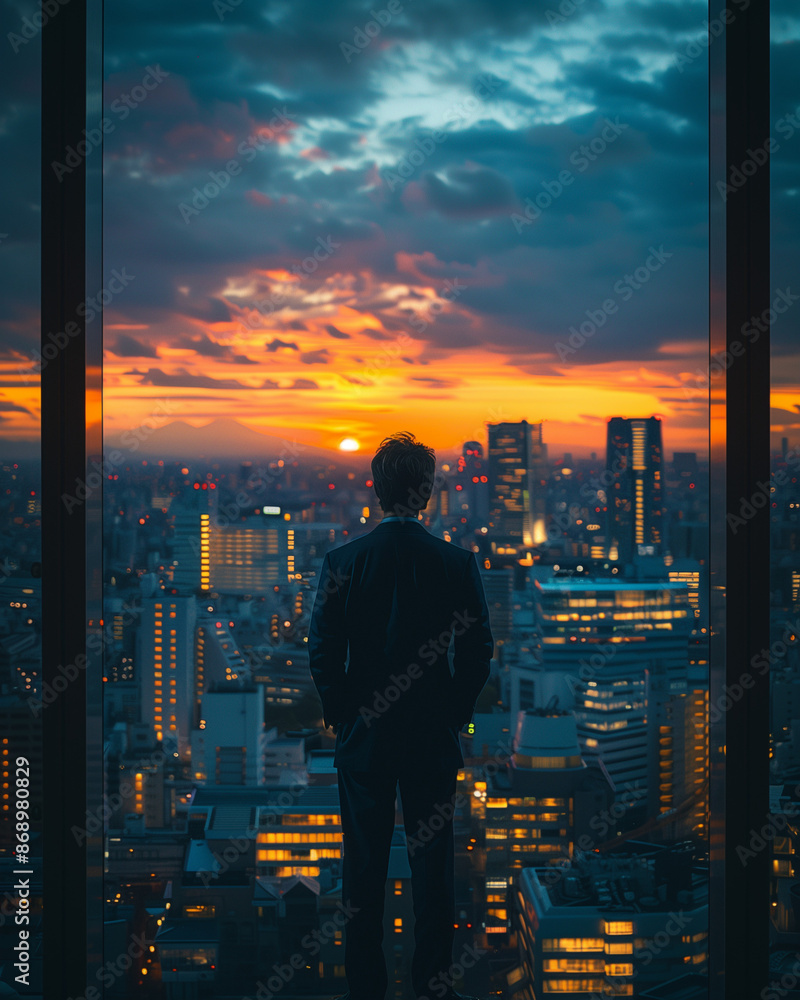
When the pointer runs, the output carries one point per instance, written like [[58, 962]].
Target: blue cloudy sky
[[341, 231]]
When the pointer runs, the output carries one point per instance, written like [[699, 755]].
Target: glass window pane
[[783, 497], [21, 694], [488, 227]]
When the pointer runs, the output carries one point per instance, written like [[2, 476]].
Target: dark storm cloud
[[183, 378], [129, 347], [276, 343], [208, 348], [230, 76], [320, 357], [477, 177], [469, 191], [435, 383], [8, 407]]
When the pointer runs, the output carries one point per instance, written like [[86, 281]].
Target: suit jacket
[[387, 607]]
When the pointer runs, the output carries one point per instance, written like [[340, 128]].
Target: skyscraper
[[191, 515], [165, 667], [217, 659], [540, 806], [624, 645], [678, 768], [228, 746], [517, 479], [634, 456], [472, 475], [252, 556]]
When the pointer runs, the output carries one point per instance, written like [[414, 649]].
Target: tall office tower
[[498, 587], [531, 686], [191, 514], [120, 617], [624, 647], [165, 668], [252, 556], [540, 473], [217, 659], [678, 768], [136, 783], [695, 575], [590, 929], [517, 472], [472, 475], [283, 673], [537, 810], [634, 460], [229, 744], [684, 465], [21, 737]]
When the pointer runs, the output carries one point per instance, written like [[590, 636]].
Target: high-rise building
[[21, 736], [624, 646], [165, 667], [136, 783], [634, 466], [228, 745], [191, 514], [472, 485], [250, 557], [517, 482], [538, 808], [283, 674], [695, 575], [684, 464], [612, 923], [678, 779], [498, 587], [217, 659]]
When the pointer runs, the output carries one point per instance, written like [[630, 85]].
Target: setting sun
[[348, 444]]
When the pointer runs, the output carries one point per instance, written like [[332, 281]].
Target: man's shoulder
[[346, 551], [414, 536], [449, 550]]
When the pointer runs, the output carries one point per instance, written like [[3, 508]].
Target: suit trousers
[[367, 803]]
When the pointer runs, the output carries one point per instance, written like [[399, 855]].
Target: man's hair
[[403, 471]]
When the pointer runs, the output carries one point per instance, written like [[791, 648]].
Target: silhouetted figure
[[387, 606]]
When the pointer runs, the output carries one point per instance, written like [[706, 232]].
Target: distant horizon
[[139, 443]]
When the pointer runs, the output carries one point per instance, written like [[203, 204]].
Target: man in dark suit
[[388, 606]]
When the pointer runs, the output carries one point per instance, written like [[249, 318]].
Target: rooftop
[[604, 584], [640, 877]]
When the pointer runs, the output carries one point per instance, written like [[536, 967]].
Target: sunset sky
[[269, 131]]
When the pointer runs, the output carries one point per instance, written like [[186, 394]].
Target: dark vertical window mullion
[[740, 468], [72, 872]]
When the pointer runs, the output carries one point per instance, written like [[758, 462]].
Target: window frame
[[71, 449]]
